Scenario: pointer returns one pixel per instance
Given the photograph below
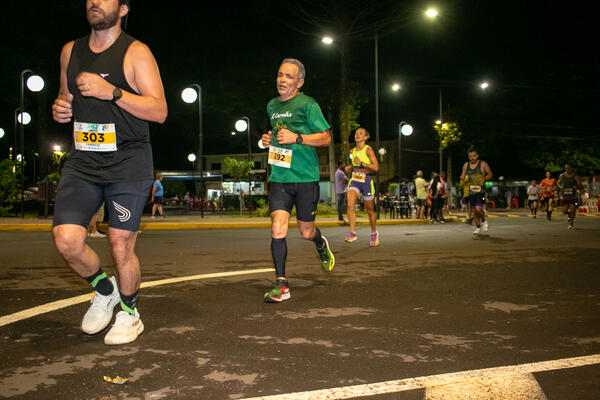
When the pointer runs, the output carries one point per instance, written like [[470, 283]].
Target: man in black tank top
[[110, 88], [474, 173], [569, 185]]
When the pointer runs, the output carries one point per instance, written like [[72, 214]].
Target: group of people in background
[[567, 192]]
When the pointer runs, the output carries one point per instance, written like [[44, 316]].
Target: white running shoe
[[126, 328], [477, 231], [100, 313], [96, 235], [484, 226]]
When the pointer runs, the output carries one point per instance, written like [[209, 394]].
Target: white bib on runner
[[94, 137], [280, 157], [568, 191], [475, 188]]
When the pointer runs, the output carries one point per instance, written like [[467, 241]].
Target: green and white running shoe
[[326, 256]]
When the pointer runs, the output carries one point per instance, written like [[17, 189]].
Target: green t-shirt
[[300, 114]]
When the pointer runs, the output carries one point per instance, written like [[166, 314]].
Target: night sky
[[541, 61]]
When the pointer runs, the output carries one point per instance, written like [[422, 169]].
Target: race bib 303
[[94, 137]]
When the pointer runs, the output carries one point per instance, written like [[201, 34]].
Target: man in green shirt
[[298, 126]]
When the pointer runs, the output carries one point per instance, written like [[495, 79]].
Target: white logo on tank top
[[124, 214], [104, 75]]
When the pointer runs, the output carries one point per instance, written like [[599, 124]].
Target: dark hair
[[339, 164], [473, 149]]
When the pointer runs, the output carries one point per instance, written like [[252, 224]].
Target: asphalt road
[[513, 314]]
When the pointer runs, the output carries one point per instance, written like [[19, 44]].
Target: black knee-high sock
[[318, 240], [279, 253], [100, 283]]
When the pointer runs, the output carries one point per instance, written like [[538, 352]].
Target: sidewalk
[[194, 221]]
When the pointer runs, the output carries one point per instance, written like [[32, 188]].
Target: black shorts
[[78, 199], [305, 196], [158, 200], [477, 199], [421, 202], [530, 202]]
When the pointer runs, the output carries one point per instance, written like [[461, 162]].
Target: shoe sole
[[351, 240], [138, 332]]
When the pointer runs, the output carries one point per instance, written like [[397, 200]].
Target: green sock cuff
[[98, 278], [127, 309]]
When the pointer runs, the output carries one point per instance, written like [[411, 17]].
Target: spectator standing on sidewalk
[[157, 196], [341, 181], [421, 189]]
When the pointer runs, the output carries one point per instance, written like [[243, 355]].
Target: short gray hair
[[419, 173], [301, 70]]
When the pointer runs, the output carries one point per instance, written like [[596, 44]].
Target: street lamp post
[[35, 83], [189, 95], [404, 129], [242, 125]]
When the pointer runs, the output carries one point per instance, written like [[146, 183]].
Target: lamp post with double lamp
[[189, 95], [35, 83]]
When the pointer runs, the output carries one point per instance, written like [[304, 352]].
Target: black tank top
[[132, 159]]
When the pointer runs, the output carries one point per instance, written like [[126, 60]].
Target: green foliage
[[9, 185], [172, 188], [55, 165], [584, 158], [448, 133], [262, 209], [392, 187], [237, 168]]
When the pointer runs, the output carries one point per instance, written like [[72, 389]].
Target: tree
[[10, 189], [449, 133], [238, 169]]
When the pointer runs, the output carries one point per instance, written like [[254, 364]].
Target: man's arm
[[141, 72], [464, 172], [61, 109], [487, 171], [320, 139]]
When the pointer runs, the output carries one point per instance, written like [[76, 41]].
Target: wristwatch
[[117, 94], [299, 139]]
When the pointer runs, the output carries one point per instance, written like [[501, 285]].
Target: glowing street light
[[1, 133], [431, 13], [191, 157], [24, 118], [327, 40], [396, 87], [484, 85], [35, 83]]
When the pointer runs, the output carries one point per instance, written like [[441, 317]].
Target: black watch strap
[[117, 94], [299, 139]]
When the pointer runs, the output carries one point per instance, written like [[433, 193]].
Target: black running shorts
[[77, 200], [305, 196]]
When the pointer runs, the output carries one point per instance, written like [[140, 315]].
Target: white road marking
[[56, 305], [518, 386], [373, 389]]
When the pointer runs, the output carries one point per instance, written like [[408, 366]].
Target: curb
[[155, 226]]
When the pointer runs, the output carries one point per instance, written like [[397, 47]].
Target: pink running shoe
[[351, 237], [374, 239]]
